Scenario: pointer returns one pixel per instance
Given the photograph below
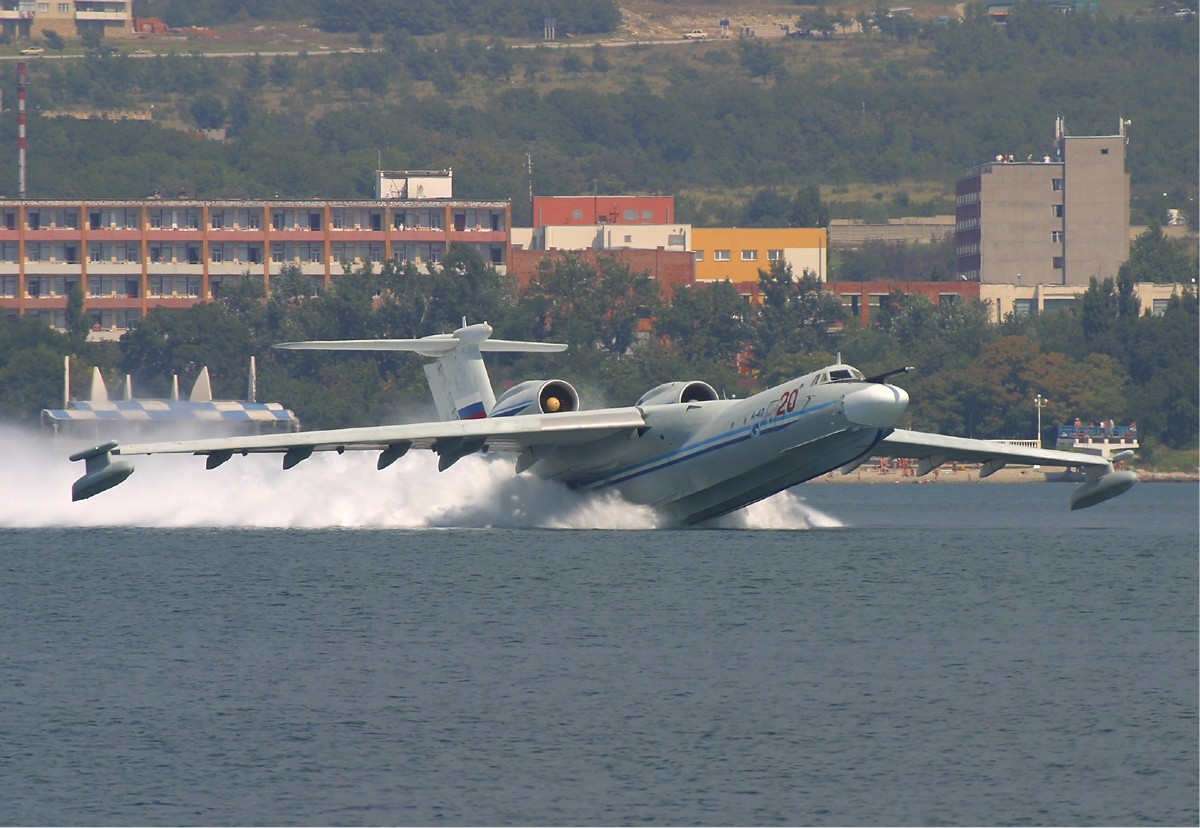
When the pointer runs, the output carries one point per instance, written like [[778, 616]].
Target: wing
[[932, 450], [939, 448], [451, 440]]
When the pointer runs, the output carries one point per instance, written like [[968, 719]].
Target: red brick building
[[863, 298], [566, 210]]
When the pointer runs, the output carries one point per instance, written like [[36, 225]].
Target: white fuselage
[[698, 460]]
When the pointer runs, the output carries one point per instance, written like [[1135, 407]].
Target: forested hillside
[[870, 114]]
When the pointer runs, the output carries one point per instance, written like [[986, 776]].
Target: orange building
[[737, 254]]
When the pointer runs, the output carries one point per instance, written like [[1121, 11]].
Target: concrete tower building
[[1058, 220]]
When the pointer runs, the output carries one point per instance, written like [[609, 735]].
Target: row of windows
[[311, 253], [126, 287], [1056, 237], [108, 318], [627, 215], [747, 255], [190, 218], [1056, 210]]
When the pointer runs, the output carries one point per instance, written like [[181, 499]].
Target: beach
[[871, 473]]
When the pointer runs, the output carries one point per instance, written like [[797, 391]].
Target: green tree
[[807, 209], [572, 63], [78, 320], [600, 61], [710, 322], [173, 342], [208, 111], [797, 320], [587, 306], [818, 21], [1155, 258], [31, 360], [759, 59], [54, 40], [1165, 370], [283, 71], [768, 208]]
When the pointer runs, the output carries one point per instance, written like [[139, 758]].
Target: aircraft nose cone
[[878, 405]]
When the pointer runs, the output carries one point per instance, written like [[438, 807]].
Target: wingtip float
[[102, 473]]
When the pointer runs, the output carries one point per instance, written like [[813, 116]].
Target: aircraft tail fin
[[457, 378]]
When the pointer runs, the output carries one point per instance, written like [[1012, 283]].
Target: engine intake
[[678, 392], [537, 397]]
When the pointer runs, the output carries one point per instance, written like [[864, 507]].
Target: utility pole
[[1040, 402]]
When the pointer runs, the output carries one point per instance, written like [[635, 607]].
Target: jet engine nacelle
[[537, 397], [678, 392]]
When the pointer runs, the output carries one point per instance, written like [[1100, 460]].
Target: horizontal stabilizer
[[478, 336]]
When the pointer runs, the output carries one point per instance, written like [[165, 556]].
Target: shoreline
[[971, 475]]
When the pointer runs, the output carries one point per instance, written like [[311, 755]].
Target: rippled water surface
[[935, 654]]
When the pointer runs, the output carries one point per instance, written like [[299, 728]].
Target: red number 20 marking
[[787, 403]]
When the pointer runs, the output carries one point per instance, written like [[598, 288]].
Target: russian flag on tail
[[470, 408]]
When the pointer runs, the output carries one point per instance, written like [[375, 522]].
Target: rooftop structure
[[414, 184]]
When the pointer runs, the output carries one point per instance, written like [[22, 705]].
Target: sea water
[[348, 647]]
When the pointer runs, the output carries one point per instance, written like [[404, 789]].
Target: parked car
[[32, 51], [695, 34]]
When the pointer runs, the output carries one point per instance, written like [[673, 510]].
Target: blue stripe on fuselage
[[693, 450]]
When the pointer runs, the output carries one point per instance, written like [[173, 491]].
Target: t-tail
[[457, 378]]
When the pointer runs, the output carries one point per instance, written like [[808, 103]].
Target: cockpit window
[[846, 374]]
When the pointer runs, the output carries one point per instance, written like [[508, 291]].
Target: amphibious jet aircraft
[[680, 448]]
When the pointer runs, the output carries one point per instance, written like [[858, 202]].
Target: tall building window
[[720, 255], [1056, 210], [774, 255], [699, 255], [749, 255], [1057, 262], [1057, 184], [1056, 236]]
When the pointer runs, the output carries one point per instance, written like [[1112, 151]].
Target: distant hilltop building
[[23, 19], [1046, 220]]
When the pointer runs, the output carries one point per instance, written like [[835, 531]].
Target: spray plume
[[327, 491]]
